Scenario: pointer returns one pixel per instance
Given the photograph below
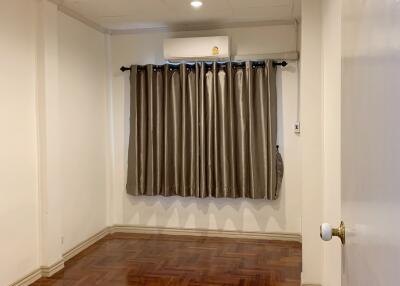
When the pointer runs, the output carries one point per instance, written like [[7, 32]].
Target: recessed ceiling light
[[196, 4]]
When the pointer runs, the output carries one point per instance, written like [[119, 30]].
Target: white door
[[371, 142]]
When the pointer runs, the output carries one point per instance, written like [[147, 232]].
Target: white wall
[[144, 48], [54, 148], [82, 129], [228, 214], [72, 132], [320, 117], [19, 249], [50, 195]]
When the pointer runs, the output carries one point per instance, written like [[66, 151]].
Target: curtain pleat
[[241, 119], [275, 167], [159, 131], [224, 161], [209, 127], [168, 149], [233, 187], [133, 152], [142, 127], [204, 130]]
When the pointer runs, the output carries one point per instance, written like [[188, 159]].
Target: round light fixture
[[196, 4]]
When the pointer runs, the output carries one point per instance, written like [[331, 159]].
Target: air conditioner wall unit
[[195, 49]]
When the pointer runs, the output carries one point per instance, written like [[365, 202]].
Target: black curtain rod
[[283, 64]]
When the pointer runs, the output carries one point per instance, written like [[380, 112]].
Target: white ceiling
[[139, 14]]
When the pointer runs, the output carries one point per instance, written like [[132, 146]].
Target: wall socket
[[297, 127]]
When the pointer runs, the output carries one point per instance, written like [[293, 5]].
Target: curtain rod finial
[[283, 63], [123, 69]]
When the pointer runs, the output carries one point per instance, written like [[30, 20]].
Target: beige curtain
[[204, 130]]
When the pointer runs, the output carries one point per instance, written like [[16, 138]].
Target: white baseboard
[[44, 271], [85, 244], [47, 271], [207, 232], [29, 279]]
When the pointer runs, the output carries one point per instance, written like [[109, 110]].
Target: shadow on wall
[[208, 213]]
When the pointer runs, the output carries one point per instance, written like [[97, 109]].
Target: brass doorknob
[[326, 232]]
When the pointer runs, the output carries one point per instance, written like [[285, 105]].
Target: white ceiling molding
[[169, 28], [79, 17], [202, 27]]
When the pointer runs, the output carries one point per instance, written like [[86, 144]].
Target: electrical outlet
[[297, 128]]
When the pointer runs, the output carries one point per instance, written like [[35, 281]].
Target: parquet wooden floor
[[158, 260]]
